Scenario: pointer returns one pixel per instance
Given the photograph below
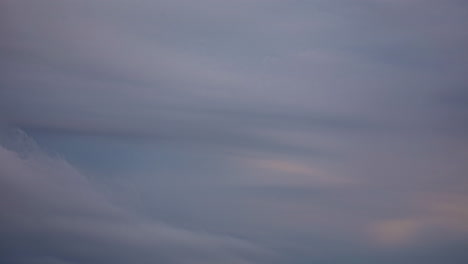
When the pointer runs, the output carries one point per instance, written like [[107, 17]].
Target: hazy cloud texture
[[257, 131]]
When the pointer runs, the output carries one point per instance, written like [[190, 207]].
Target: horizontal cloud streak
[[328, 131]]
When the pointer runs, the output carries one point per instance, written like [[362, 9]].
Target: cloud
[[305, 125], [45, 199], [433, 215], [283, 172], [139, 66], [449, 210], [396, 232]]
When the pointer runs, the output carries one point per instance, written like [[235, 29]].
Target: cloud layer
[[215, 131], [53, 214]]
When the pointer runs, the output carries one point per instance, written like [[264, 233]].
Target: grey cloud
[[53, 210], [147, 68], [372, 91]]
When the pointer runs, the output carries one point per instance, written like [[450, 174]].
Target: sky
[[234, 132]]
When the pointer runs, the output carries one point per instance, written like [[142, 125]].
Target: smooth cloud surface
[[53, 211], [221, 131]]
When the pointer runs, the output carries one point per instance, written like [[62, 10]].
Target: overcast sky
[[234, 132]]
